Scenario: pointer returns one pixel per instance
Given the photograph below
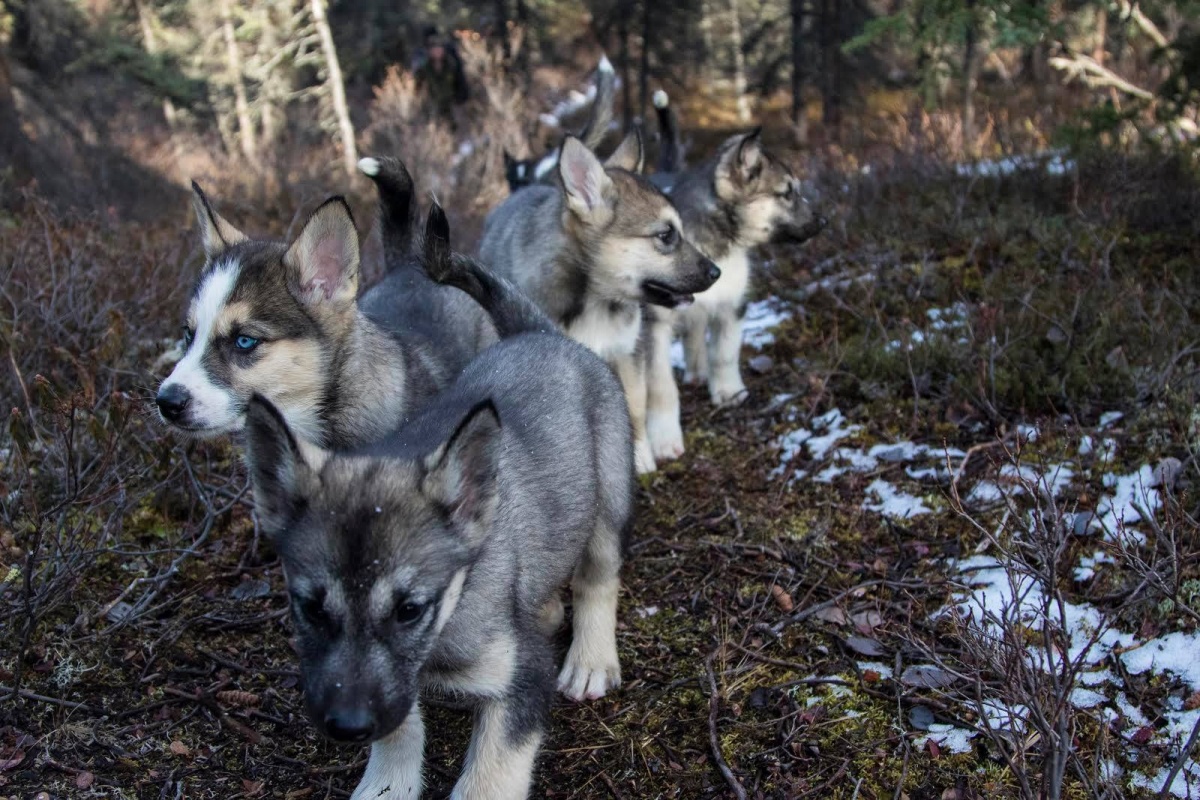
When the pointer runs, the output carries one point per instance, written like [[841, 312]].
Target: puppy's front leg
[[503, 747], [394, 768], [725, 385]]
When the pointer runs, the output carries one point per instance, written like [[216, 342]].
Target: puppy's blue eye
[[245, 343], [409, 612]]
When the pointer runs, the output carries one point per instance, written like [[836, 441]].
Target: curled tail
[[512, 312], [670, 152], [601, 115], [397, 211]]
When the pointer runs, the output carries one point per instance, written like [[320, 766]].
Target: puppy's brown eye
[[408, 611], [312, 608], [188, 337], [788, 193], [668, 235]]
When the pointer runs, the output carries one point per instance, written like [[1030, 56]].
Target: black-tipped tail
[[670, 151], [601, 115], [512, 312], [397, 209]]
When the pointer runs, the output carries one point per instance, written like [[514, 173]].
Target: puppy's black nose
[[350, 724], [713, 270], [173, 401]]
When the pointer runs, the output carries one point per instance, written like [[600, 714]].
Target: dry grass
[[144, 632]]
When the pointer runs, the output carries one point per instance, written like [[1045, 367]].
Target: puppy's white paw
[[728, 392], [643, 457], [587, 676], [665, 435], [698, 378]]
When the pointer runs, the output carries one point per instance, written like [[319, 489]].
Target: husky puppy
[[592, 250], [425, 560], [285, 321], [522, 172], [739, 199]]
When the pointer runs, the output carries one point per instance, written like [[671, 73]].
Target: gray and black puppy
[[286, 322], [742, 197], [426, 560], [592, 250]]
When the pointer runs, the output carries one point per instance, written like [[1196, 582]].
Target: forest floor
[[947, 548]]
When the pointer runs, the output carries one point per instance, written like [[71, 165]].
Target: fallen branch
[[714, 702], [41, 698], [1096, 75]]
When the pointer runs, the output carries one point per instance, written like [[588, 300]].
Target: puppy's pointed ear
[[322, 263], [280, 466], [630, 155], [586, 185], [461, 475], [216, 233], [741, 162]]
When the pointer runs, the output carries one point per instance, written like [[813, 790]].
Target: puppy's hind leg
[[695, 348], [662, 403], [633, 380], [591, 667], [394, 768], [725, 385]]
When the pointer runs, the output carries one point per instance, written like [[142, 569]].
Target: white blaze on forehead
[[211, 406]]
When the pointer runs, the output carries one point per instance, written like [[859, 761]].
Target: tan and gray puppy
[[592, 250], [741, 198], [426, 560], [285, 321]]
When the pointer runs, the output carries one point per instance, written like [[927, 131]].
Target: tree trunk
[[15, 148], [831, 106], [644, 78], [526, 42], [739, 63], [337, 89], [970, 79], [270, 117], [150, 42], [234, 64], [799, 118], [502, 29], [623, 61]]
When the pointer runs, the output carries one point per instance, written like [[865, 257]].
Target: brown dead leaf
[[1192, 703], [84, 780], [782, 599], [180, 749], [935, 750], [11, 759], [1143, 736], [871, 676], [239, 699], [833, 615], [252, 788], [298, 794], [867, 621]]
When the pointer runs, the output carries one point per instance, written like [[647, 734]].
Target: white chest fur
[[610, 332], [730, 288]]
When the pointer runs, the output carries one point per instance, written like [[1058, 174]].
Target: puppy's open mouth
[[797, 234], [660, 294]]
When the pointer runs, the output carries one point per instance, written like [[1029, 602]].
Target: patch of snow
[[1110, 417], [1186, 783], [1082, 697], [1052, 161], [885, 672], [893, 502], [947, 737], [1088, 564], [1174, 652]]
